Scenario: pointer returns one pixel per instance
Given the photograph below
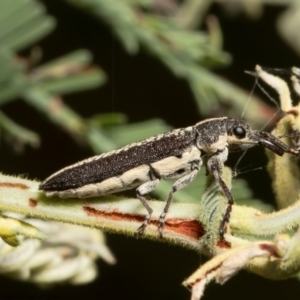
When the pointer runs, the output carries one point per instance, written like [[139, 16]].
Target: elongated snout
[[271, 142]]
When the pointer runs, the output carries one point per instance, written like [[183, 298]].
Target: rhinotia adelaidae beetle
[[178, 154]]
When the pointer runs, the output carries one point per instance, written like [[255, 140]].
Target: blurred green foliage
[[170, 37], [189, 54]]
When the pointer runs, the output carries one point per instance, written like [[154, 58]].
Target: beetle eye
[[239, 132]]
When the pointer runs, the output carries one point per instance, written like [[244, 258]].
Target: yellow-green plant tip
[[74, 83], [13, 241], [283, 170], [10, 228]]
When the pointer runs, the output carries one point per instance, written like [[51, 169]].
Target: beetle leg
[[179, 184]]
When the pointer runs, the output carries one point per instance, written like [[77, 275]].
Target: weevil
[[178, 154]]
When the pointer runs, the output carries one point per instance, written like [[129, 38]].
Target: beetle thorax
[[211, 135]]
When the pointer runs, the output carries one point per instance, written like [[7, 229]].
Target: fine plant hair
[[193, 225], [34, 226]]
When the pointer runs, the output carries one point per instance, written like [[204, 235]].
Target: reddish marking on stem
[[190, 285], [32, 202], [222, 243], [293, 112], [214, 269], [198, 280], [190, 228], [14, 185], [269, 248]]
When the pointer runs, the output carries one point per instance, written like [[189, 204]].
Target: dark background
[[137, 85]]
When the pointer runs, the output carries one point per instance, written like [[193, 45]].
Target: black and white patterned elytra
[[116, 163], [176, 154]]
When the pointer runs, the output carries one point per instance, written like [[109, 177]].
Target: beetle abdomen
[[115, 163]]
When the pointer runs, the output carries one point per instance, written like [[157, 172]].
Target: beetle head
[[242, 137]]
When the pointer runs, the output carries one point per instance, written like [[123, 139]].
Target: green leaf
[[74, 83], [55, 110], [18, 132]]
